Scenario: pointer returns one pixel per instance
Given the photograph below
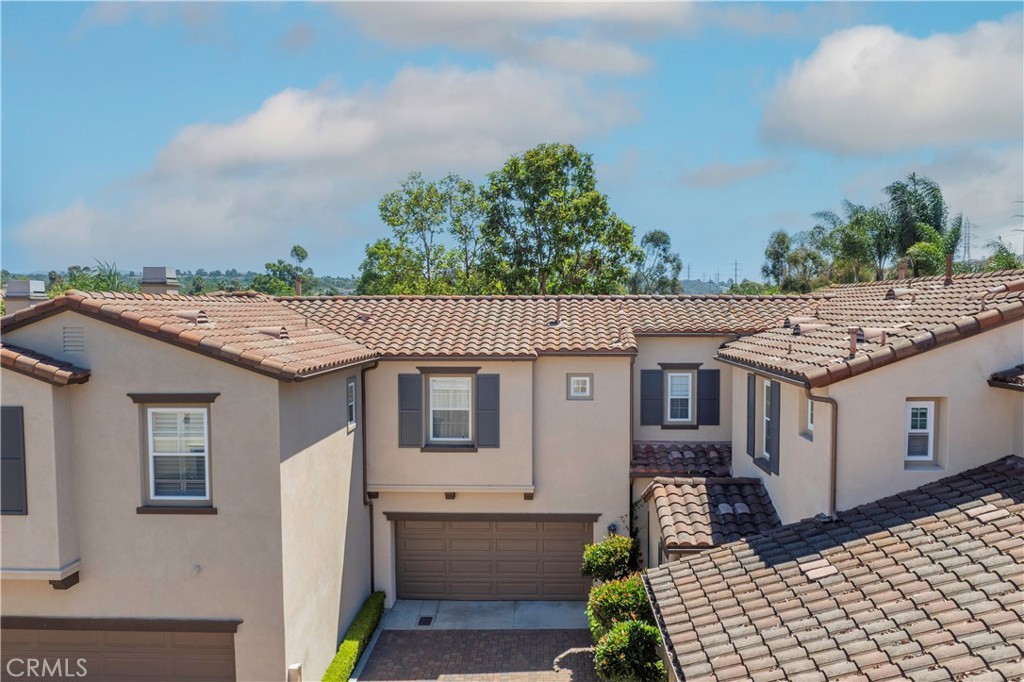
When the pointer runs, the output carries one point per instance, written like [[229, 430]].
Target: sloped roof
[[1009, 378], [697, 513], [526, 326], [684, 458], [42, 367], [922, 585], [252, 331], [916, 314]]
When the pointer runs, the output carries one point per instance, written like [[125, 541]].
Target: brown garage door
[[491, 558], [119, 655]]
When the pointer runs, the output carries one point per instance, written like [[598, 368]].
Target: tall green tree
[[776, 256], [1002, 258], [550, 231], [279, 277], [100, 277], [416, 214], [928, 254], [466, 211], [658, 270]]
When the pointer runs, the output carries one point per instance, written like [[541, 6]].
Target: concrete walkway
[[486, 615]]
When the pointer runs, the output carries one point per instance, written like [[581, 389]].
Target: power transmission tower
[[735, 272]]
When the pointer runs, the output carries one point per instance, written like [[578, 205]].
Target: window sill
[[921, 466], [448, 448], [175, 510], [763, 464], [688, 427], [806, 435]]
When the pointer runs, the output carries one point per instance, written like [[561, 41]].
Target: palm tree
[[928, 255]]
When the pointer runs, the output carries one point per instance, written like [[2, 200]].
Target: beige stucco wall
[[683, 349], [394, 467], [1016, 399], [324, 523], [144, 566], [800, 490], [975, 421], [646, 534], [44, 540], [579, 449]]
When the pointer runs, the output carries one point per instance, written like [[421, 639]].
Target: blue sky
[[201, 135]]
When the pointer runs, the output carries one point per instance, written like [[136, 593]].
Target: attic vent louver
[[74, 339], [795, 321], [802, 328], [195, 316], [275, 332], [896, 292]]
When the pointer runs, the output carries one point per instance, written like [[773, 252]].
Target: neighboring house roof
[[527, 326], [667, 458], [921, 585], [1012, 378], [697, 513], [39, 366], [252, 331], [916, 315]]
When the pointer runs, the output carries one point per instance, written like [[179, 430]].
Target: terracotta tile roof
[[917, 315], [668, 458], [1009, 378], [523, 326], [705, 512], [39, 366], [252, 331], [923, 585]]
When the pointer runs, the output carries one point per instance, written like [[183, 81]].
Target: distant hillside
[[696, 286]]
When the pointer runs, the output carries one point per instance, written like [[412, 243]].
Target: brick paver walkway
[[482, 656]]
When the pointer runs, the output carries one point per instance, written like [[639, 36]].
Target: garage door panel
[[491, 559], [424, 525], [129, 655]]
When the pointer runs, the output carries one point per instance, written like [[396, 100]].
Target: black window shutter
[[410, 410], [488, 421], [652, 396], [751, 412], [774, 430], [708, 392], [13, 496]]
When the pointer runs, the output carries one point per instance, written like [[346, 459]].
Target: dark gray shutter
[[488, 422], [13, 497], [652, 396], [774, 430], [751, 412], [708, 381], [410, 410]]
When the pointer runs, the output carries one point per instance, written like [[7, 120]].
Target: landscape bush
[[614, 557], [356, 638], [617, 601], [629, 653]]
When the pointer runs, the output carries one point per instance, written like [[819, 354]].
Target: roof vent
[[820, 568], [195, 316], [801, 328], [73, 340], [159, 280], [22, 293], [275, 332], [878, 333], [724, 509], [1015, 285], [741, 508], [898, 292], [794, 321], [363, 317]]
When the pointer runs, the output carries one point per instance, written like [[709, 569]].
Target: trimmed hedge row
[[617, 601], [629, 653], [614, 557], [356, 638]]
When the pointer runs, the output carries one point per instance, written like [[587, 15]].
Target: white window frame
[[810, 416], [430, 408], [351, 413], [930, 406], [150, 411], [766, 418], [572, 393], [690, 377]]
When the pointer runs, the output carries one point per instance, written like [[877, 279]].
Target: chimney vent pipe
[[159, 280], [949, 269], [298, 286], [903, 269]]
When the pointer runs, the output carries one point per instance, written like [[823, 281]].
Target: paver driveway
[[482, 656]]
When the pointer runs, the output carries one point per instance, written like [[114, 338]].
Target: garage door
[[491, 558], [120, 655]]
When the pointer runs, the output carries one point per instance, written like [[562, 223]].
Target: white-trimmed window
[[350, 401], [678, 397], [767, 419], [179, 453], [451, 409], [810, 416], [920, 440], [579, 386]]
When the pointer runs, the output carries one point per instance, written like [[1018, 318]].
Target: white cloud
[[871, 90], [310, 162], [723, 174], [298, 38]]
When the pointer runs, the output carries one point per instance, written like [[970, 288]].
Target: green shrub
[[356, 639], [616, 601], [614, 557], [629, 653]]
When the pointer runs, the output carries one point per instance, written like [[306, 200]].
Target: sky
[[200, 135]]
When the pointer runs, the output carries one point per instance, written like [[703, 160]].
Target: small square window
[[579, 386], [919, 445]]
